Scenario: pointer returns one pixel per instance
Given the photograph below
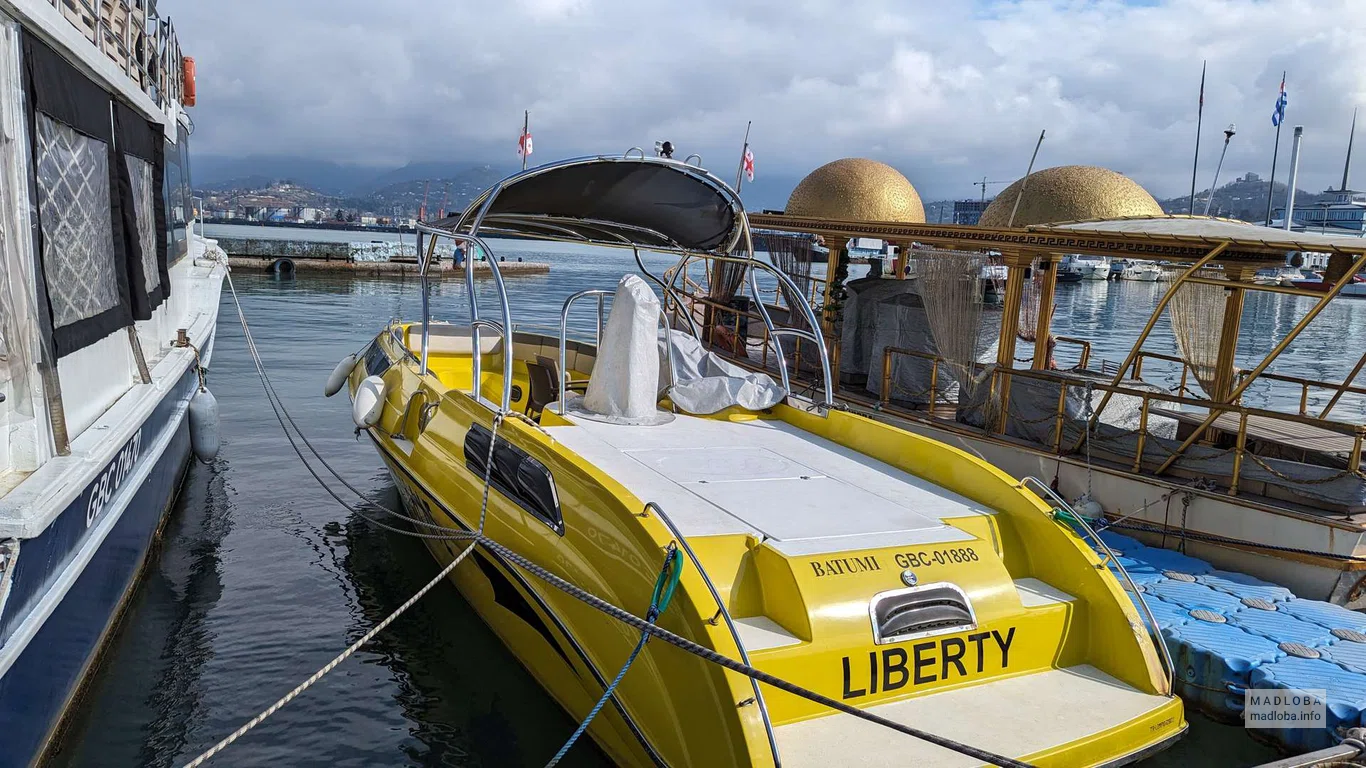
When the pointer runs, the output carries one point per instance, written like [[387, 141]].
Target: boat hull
[[1330, 577], [693, 713], [86, 574]]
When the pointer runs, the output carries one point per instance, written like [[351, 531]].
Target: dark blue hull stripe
[[35, 690]]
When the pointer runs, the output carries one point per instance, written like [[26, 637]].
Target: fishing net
[[792, 256], [951, 289], [1197, 314], [1029, 303]]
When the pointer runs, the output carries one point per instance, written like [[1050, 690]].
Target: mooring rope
[[665, 584], [331, 665], [478, 538]]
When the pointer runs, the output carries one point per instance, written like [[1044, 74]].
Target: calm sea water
[[261, 578]]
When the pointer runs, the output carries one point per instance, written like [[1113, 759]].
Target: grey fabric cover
[[705, 383]]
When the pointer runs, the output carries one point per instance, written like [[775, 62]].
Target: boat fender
[[368, 402], [204, 425], [1089, 508], [340, 374]]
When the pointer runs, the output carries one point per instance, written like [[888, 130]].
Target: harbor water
[[261, 578]]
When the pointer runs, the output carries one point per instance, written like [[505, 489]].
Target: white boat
[[107, 317], [1092, 267], [1143, 271]]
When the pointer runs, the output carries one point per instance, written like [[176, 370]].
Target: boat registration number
[[926, 558]]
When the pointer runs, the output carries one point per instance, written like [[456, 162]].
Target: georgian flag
[[524, 145], [749, 164], [1281, 101]]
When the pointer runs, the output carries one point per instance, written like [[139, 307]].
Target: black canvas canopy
[[648, 202]]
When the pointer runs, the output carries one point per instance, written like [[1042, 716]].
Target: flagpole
[[740, 172], [1199, 119], [1275, 154], [526, 125]]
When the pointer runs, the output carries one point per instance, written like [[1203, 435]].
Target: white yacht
[[107, 318], [1143, 272], [1092, 267]]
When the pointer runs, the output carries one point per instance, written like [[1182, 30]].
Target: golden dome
[[855, 189], [1071, 193]]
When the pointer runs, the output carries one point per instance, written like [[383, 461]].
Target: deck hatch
[[931, 609]]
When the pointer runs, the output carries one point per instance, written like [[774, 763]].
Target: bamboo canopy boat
[[1278, 495], [869, 567]]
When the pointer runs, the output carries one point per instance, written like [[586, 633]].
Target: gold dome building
[[857, 189], [1070, 193]]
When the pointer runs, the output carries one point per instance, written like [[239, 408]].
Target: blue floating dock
[[1228, 632]]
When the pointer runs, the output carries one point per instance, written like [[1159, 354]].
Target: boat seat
[[446, 339]]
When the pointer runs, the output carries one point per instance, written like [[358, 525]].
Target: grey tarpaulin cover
[[704, 383]]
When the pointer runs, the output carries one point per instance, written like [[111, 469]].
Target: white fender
[[368, 402], [340, 374], [204, 425]]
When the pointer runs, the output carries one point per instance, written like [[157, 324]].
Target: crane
[[422, 212], [983, 184], [445, 196]]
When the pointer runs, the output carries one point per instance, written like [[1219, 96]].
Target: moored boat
[[1143, 272], [853, 560], [1270, 493], [1092, 267], [108, 314]]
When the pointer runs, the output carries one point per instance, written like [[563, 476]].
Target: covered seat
[[447, 339]]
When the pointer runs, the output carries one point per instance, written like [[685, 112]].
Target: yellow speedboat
[[857, 562]]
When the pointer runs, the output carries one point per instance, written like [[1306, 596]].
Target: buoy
[[204, 425], [340, 374], [1089, 508], [368, 402]]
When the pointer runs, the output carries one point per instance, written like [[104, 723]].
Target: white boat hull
[[1121, 493]]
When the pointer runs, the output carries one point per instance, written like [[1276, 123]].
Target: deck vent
[[930, 609]]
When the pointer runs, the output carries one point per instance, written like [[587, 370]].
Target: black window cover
[[66, 98], [144, 140], [672, 199]]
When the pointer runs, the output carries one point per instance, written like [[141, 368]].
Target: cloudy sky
[[948, 91]]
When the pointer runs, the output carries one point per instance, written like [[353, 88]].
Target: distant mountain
[[216, 171], [457, 189], [1243, 198], [360, 183]]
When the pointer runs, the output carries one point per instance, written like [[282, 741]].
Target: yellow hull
[[673, 708]]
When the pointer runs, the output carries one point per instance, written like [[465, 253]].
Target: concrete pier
[[362, 258]]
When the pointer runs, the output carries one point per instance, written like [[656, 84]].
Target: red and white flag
[[749, 164], [524, 144]]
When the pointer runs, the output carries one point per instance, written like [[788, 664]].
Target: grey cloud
[[946, 91]]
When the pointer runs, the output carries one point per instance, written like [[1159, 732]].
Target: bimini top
[[649, 202]]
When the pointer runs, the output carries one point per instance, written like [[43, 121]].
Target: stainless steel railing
[[1154, 631], [597, 341], [136, 38], [503, 328], [774, 332], [730, 623]]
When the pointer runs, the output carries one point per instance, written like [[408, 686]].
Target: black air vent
[[516, 475], [919, 611]]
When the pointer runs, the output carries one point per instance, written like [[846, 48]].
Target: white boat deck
[[1014, 717], [802, 493]]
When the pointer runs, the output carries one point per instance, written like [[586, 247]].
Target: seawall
[[365, 258]]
